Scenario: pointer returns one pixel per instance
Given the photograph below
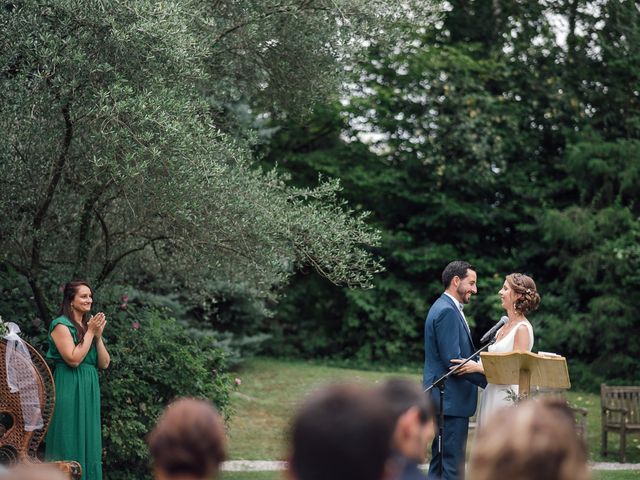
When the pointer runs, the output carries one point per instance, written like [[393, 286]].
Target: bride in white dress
[[519, 297]]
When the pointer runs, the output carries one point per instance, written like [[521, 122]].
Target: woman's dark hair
[[68, 294], [457, 268], [524, 286], [188, 439], [342, 432], [403, 394]]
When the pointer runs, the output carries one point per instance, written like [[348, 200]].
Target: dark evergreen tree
[[492, 137]]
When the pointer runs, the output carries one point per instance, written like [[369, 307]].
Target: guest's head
[[188, 442], [459, 279], [412, 412], [341, 433], [33, 471], [519, 293], [535, 441]]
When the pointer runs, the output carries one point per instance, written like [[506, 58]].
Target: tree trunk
[[41, 301], [33, 275]]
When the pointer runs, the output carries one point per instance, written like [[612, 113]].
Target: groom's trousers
[[454, 446]]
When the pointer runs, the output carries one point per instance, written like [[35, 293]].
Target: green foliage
[[597, 259], [122, 158], [485, 137], [154, 359], [486, 133]]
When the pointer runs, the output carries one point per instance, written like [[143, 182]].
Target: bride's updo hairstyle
[[524, 286]]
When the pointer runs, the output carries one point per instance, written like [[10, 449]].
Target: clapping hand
[[97, 323]]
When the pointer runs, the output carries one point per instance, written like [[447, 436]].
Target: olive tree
[[117, 151]]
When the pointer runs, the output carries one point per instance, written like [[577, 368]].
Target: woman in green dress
[[77, 349]]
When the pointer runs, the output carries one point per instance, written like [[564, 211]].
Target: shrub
[[153, 361]]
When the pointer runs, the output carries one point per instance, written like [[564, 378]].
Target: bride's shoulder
[[523, 336], [525, 325], [522, 327]]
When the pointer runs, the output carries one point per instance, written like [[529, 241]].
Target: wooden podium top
[[546, 371]]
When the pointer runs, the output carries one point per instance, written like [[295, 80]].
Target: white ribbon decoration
[[22, 377]]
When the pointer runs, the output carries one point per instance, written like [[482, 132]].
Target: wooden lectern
[[526, 369]]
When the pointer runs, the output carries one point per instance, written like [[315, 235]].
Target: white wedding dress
[[496, 396]]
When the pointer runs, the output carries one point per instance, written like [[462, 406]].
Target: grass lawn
[[275, 476], [271, 390], [269, 394], [605, 475]]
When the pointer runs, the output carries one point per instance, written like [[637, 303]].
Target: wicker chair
[[16, 444]]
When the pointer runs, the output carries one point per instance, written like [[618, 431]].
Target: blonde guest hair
[[33, 471], [535, 441]]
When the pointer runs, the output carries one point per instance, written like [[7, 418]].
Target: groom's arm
[[478, 379], [448, 340]]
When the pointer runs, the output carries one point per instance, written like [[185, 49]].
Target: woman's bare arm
[[72, 354], [103, 355]]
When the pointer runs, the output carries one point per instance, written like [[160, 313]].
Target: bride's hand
[[469, 367]]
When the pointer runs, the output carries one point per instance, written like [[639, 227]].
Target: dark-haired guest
[[77, 350], [412, 412], [341, 433], [535, 441], [188, 442]]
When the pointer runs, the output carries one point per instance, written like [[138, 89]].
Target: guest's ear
[[158, 474], [405, 426], [289, 474]]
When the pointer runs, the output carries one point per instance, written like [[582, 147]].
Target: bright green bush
[[153, 360]]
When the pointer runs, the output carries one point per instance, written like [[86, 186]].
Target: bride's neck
[[514, 317]]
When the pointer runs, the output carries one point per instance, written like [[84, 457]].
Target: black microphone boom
[[490, 334]]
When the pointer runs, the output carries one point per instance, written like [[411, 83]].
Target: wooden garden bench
[[620, 414]]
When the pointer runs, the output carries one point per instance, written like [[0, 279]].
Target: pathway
[[271, 466]]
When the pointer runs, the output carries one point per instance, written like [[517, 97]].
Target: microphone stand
[[439, 383]]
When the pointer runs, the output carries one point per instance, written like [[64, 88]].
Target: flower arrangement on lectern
[[512, 396]]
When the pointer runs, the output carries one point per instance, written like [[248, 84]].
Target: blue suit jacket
[[446, 337]]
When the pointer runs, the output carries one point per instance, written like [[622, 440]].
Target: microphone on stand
[[491, 333]]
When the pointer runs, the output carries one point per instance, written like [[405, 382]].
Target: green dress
[[74, 432]]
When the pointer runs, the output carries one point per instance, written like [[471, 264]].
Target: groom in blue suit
[[447, 336]]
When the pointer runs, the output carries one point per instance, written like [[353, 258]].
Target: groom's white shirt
[[460, 307]]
